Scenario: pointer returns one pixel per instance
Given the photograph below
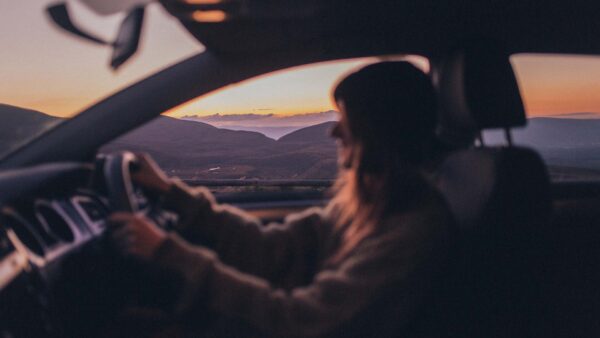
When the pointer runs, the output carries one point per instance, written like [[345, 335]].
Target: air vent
[[94, 210], [6, 247], [28, 237], [54, 222]]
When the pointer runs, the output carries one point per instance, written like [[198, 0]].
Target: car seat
[[500, 199]]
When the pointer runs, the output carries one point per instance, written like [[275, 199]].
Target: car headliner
[[280, 34], [425, 27]]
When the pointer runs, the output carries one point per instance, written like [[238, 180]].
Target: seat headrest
[[478, 90]]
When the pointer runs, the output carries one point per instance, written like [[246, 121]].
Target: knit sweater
[[277, 280]]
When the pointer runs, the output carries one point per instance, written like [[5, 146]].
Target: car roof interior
[[416, 27]]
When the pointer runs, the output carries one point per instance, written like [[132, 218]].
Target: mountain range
[[18, 124], [271, 125], [197, 150], [562, 142]]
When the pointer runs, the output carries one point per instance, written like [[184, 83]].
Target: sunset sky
[[552, 85], [47, 70]]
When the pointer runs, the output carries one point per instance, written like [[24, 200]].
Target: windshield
[[269, 133], [49, 75]]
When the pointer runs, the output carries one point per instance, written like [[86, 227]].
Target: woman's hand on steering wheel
[[134, 234], [149, 176]]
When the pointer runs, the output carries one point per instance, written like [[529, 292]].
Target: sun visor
[[478, 90]]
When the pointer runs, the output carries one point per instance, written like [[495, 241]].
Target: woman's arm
[[241, 240], [333, 298]]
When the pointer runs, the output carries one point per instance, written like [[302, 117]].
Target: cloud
[[218, 118], [265, 120]]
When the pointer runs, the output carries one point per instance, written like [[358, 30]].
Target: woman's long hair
[[391, 109]]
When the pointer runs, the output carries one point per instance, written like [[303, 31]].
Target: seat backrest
[[500, 198], [503, 186], [483, 185]]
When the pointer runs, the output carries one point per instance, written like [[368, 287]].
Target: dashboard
[[58, 274], [44, 228], [49, 214], [47, 211]]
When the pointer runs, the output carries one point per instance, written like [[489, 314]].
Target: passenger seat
[[500, 199]]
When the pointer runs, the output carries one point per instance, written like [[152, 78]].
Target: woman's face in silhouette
[[341, 132]]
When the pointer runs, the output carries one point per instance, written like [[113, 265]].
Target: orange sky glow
[[47, 70], [298, 90], [554, 85]]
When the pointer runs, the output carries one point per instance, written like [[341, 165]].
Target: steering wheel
[[117, 175], [125, 196]]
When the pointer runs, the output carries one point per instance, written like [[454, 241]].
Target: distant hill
[[562, 142], [192, 149], [198, 150], [554, 133], [173, 135], [182, 145], [271, 132], [271, 125], [560, 133], [571, 147], [580, 115], [311, 150], [18, 125], [315, 134]]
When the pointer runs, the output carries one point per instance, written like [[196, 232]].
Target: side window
[[267, 134], [561, 94]]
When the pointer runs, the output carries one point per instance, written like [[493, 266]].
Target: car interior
[[526, 261]]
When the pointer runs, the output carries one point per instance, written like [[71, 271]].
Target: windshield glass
[[269, 133], [49, 75]]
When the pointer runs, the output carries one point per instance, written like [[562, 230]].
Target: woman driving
[[361, 266]]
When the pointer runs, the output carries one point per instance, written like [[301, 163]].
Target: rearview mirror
[[128, 38], [126, 42]]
